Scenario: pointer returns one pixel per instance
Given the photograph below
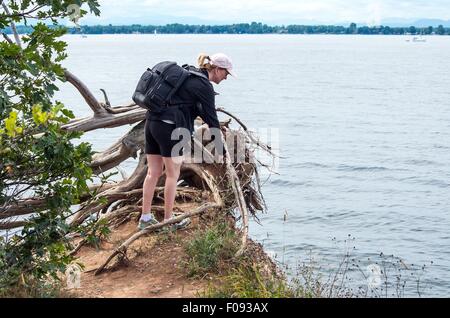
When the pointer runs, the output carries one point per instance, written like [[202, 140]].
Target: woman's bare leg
[[154, 171], [172, 166]]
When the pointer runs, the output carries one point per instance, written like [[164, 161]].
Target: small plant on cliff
[[250, 280], [210, 249]]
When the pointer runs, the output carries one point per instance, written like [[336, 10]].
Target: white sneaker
[[177, 226], [182, 224], [143, 224]]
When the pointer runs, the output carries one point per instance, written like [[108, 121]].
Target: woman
[[197, 95]]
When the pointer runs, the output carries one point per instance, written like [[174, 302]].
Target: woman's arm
[[207, 111], [207, 108]]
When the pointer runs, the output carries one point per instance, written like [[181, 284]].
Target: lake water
[[363, 126]]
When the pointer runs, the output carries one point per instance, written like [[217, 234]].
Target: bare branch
[[107, 121], [121, 109], [22, 208], [31, 205], [90, 99], [7, 38], [13, 27], [222, 110], [11, 225]]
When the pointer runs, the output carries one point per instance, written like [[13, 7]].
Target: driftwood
[[236, 186], [231, 184]]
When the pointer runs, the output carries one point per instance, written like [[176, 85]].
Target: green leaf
[[10, 124], [68, 113], [51, 88]]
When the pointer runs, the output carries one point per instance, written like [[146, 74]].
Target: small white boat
[[417, 39]]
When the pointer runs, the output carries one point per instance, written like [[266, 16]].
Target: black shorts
[[158, 139]]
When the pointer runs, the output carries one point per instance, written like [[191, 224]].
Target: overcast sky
[[266, 11]]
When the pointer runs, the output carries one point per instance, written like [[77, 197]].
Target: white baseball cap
[[223, 61]]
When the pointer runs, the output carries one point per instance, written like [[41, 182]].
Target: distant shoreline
[[246, 28], [264, 34]]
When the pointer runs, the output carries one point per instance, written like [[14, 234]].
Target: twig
[[110, 217], [78, 247], [96, 107], [220, 109], [107, 103], [258, 184], [23, 14]]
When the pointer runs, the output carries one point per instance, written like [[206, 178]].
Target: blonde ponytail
[[204, 61]]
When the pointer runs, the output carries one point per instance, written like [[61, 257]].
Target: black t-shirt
[[198, 95]]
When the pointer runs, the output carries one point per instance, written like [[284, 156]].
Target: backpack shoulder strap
[[194, 71]]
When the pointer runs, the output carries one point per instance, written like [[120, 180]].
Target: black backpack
[[159, 84]]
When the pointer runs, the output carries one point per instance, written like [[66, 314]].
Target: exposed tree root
[[231, 184]]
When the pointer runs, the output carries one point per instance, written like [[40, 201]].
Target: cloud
[[269, 11], [374, 13]]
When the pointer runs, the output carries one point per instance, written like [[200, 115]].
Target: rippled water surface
[[363, 126]]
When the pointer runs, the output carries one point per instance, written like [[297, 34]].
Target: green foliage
[[209, 248], [212, 251], [95, 231], [441, 30], [38, 157], [248, 280]]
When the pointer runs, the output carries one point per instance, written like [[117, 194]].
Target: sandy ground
[[154, 268]]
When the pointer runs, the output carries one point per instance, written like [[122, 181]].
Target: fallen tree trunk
[[132, 116], [231, 183]]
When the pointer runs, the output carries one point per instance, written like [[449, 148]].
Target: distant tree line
[[248, 28]]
